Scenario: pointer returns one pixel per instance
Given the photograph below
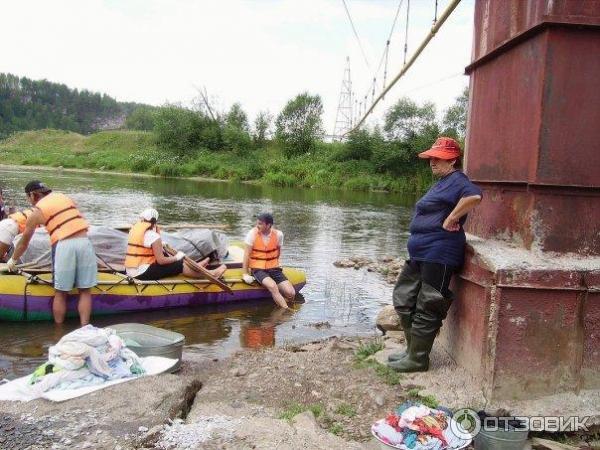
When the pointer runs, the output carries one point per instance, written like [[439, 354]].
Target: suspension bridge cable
[[390, 35], [434, 29], [356, 34], [406, 34], [384, 55]]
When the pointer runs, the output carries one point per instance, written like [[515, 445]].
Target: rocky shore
[[388, 266]]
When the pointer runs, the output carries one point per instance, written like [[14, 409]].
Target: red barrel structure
[[527, 322]]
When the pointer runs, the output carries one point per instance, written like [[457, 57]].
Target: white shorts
[[8, 231]]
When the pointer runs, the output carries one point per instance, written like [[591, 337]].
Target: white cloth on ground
[[21, 390]]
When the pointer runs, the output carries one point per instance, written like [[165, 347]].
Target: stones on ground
[[387, 266], [387, 319], [238, 372], [394, 337], [204, 428]]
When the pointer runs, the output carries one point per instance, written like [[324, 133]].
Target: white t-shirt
[[251, 237], [150, 237], [8, 231]]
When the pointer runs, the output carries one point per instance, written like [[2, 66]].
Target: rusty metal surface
[[591, 344], [533, 112], [525, 334], [534, 123], [570, 134], [505, 115], [533, 217], [496, 22], [537, 342]]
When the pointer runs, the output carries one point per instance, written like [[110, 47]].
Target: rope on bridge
[[438, 22]]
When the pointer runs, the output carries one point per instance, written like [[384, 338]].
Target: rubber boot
[[405, 296], [418, 355], [407, 326]]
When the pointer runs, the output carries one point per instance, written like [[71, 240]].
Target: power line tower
[[343, 118]]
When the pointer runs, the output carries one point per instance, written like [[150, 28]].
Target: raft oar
[[198, 268]]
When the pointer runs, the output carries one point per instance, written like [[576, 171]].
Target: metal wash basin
[[146, 340]]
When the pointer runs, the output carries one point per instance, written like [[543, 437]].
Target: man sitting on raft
[[145, 258], [261, 259]]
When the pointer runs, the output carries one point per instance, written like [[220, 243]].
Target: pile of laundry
[[85, 357], [415, 426]]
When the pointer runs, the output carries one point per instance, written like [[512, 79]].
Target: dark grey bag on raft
[[110, 245]]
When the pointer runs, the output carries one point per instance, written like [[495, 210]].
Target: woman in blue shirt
[[436, 248]]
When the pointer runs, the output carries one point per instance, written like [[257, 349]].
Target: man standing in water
[[261, 260], [73, 258]]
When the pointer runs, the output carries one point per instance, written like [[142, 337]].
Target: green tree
[[178, 129], [235, 132], [361, 145], [299, 125], [262, 123], [141, 118], [406, 119], [454, 122], [237, 118]]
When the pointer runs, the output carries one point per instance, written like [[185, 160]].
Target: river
[[320, 227]]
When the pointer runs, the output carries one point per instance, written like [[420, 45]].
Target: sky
[[260, 53]]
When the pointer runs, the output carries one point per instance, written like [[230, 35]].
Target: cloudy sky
[[257, 52]]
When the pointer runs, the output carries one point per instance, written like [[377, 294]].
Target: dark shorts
[[276, 274], [156, 271]]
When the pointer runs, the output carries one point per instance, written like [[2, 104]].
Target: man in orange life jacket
[[261, 260], [73, 258], [10, 227]]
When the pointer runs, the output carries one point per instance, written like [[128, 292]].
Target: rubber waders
[[417, 359]]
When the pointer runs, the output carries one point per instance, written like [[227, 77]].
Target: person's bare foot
[[204, 262], [219, 271]]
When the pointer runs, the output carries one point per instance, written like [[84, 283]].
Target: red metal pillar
[[528, 319]]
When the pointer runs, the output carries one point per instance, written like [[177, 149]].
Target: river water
[[320, 227]]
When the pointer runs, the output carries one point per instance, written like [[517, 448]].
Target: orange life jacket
[[265, 256], [137, 254], [61, 216], [20, 217]]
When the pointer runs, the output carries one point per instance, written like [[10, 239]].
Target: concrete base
[[526, 324]]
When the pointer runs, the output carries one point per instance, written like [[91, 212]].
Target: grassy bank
[[136, 152]]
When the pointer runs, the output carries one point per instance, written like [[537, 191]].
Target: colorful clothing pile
[[416, 427]]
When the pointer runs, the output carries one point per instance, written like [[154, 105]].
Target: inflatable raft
[[28, 297]]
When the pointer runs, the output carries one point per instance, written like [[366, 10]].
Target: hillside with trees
[[27, 104]]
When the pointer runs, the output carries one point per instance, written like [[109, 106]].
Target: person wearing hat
[[73, 257], [261, 260], [145, 258], [436, 249]]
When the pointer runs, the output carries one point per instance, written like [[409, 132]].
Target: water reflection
[[320, 227]]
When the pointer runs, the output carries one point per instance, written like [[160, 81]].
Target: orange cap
[[443, 148]]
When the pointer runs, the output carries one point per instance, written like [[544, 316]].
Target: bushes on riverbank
[[137, 151]]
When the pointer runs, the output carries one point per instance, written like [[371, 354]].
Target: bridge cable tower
[[344, 119]]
